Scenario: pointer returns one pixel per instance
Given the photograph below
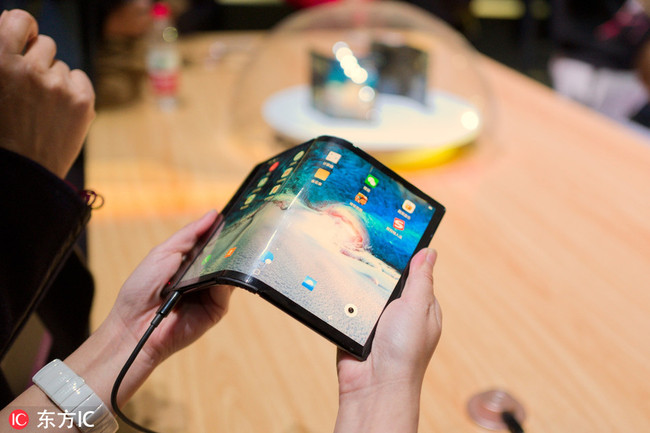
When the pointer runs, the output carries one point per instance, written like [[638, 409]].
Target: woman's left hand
[[139, 298]]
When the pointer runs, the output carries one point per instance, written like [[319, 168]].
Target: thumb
[[419, 284]]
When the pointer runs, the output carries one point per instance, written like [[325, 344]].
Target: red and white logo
[[18, 419], [398, 224]]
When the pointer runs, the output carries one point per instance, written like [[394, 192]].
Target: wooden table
[[543, 271]]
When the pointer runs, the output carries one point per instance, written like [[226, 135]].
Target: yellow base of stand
[[423, 158]]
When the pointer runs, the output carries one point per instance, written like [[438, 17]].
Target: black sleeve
[[41, 219]]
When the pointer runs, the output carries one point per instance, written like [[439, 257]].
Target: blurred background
[[562, 44], [603, 40]]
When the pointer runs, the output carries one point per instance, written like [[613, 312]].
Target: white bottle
[[163, 58]]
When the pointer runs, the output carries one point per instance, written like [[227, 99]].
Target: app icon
[[274, 166], [371, 181], [398, 224], [333, 157], [274, 189], [299, 155], [267, 258], [309, 283], [321, 174], [287, 172], [206, 260], [249, 199], [263, 181], [351, 310], [361, 199], [230, 252], [408, 206]]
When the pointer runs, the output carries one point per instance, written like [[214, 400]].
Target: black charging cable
[[511, 422], [162, 312]]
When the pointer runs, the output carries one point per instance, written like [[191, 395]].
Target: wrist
[[386, 407], [101, 357], [70, 393]]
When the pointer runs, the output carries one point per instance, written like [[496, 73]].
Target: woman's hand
[[139, 298], [102, 356], [383, 392]]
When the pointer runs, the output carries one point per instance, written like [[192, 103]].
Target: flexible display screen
[[326, 228]]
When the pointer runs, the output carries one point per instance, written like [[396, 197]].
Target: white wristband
[[72, 395]]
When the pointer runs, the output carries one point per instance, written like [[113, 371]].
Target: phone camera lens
[[351, 310]]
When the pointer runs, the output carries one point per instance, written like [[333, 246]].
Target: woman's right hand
[[382, 393]]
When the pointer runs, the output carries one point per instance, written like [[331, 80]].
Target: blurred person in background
[[602, 56]]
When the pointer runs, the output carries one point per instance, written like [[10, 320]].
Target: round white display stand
[[400, 123]]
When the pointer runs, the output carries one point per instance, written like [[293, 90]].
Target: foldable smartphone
[[323, 231]]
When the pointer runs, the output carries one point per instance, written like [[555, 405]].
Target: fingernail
[[431, 256], [209, 214]]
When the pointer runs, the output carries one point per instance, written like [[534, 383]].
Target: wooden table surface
[[543, 270]]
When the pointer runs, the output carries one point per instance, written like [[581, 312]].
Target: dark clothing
[[42, 270], [41, 218], [603, 33]]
